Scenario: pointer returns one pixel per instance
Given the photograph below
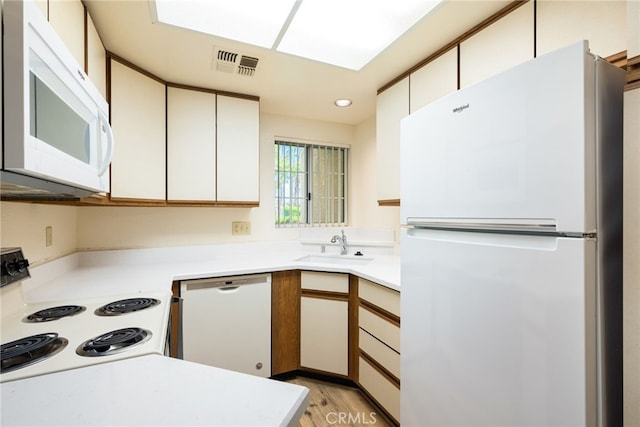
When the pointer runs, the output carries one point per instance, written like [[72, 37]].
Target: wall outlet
[[48, 236], [240, 228]]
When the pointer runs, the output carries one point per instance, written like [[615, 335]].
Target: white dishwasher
[[226, 322]]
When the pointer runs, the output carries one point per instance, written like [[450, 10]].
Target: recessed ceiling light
[[342, 102], [348, 34]]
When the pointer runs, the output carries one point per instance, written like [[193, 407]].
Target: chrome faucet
[[343, 242]]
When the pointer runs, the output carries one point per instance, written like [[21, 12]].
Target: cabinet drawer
[[382, 390], [380, 328], [385, 298], [332, 282], [383, 354]]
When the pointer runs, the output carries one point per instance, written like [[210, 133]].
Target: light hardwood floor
[[337, 405]]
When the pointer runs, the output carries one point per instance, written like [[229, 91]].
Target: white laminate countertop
[[98, 273], [151, 391], [156, 390]]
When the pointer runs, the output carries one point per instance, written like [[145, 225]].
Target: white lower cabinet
[[386, 393], [379, 343], [324, 343], [324, 323], [380, 352]]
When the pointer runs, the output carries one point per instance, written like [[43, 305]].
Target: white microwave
[[57, 141]]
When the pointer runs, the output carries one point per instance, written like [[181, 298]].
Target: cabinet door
[[435, 80], [67, 18], [391, 106], [561, 23], [191, 145], [238, 149], [504, 44], [138, 122], [96, 58], [324, 343]]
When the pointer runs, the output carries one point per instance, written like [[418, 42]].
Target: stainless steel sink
[[336, 259]]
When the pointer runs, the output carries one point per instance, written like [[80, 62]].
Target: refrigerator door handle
[[492, 225], [505, 240]]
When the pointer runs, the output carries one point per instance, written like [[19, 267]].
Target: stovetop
[[82, 333]]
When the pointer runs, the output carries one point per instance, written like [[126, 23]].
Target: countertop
[[157, 390], [96, 273], [151, 391]]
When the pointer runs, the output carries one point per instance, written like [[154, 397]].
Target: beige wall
[[24, 224]]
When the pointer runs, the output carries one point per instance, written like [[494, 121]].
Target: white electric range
[[51, 336]]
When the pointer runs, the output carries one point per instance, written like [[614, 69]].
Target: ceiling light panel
[[346, 33], [256, 22], [350, 33]]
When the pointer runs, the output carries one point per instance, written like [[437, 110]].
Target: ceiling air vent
[[234, 63]]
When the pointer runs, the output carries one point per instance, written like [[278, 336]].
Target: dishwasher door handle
[[228, 289]]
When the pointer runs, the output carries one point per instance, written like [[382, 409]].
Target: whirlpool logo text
[[460, 108]]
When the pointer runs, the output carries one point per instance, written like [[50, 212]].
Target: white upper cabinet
[[191, 145], [435, 80], [96, 58], [391, 106], [238, 149], [67, 18], [502, 45], [138, 123], [561, 23]]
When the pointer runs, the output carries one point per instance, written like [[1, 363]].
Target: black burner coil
[[113, 342], [29, 350], [54, 313], [126, 306]]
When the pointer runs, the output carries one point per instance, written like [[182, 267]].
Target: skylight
[[346, 33]]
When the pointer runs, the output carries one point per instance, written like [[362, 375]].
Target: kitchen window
[[310, 184]]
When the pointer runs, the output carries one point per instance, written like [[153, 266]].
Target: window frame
[[309, 173]]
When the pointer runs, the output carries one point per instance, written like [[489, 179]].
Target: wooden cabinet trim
[[124, 201], [380, 312], [213, 91], [454, 43], [334, 296], [285, 321], [385, 298], [381, 369], [175, 320], [123, 61], [211, 203], [633, 73], [389, 202], [353, 333], [369, 394]]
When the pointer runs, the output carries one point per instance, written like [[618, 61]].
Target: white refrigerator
[[511, 204]]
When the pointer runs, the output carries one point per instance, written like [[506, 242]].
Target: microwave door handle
[[109, 154]]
